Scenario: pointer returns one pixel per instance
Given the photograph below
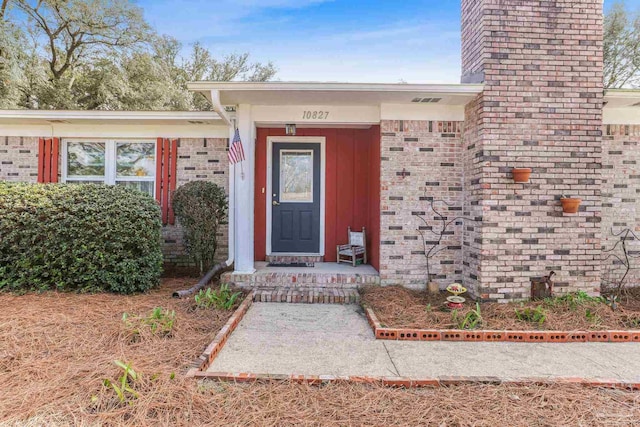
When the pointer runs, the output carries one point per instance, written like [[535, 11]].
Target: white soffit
[[320, 93]]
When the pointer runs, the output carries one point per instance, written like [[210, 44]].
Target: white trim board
[[296, 139]]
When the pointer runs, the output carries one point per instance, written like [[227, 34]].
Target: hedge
[[74, 237]]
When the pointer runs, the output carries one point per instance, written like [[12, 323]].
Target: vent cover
[[426, 100]]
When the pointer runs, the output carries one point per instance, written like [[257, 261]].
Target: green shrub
[[78, 238], [201, 208]]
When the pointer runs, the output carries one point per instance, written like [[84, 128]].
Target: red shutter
[[48, 156], [166, 171], [55, 155], [173, 171], [41, 143]]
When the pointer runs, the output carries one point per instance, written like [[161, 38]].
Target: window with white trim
[[131, 163]]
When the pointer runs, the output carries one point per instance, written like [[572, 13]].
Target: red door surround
[[352, 187]]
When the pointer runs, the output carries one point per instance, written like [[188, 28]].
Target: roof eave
[[453, 89]]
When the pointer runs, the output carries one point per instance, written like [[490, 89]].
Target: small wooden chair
[[355, 249]]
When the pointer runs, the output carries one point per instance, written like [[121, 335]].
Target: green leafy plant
[[574, 300], [160, 322], [473, 319], [123, 387], [222, 299], [532, 315], [201, 208], [592, 316], [72, 237]]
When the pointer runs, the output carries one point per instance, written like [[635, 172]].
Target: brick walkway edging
[[405, 382], [199, 368], [382, 333]]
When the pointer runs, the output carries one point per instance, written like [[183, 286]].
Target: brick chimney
[[541, 108]]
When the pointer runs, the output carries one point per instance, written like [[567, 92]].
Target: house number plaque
[[315, 115]]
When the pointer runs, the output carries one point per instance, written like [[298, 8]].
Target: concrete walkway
[[323, 339]]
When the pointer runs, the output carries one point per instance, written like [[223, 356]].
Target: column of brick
[[541, 64]]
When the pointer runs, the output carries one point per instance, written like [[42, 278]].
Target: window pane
[[296, 176], [144, 186], [85, 158], [135, 159]]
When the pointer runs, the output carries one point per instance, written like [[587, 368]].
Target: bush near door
[[201, 208]]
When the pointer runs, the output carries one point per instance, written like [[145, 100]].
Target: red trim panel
[[352, 186]]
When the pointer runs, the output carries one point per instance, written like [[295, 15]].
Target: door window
[[296, 176]]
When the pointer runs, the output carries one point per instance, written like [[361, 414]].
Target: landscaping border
[[405, 382], [260, 295], [405, 334], [198, 369]]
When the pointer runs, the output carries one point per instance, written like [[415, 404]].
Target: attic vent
[[637, 104], [196, 122], [426, 100], [57, 121]]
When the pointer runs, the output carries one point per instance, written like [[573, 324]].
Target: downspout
[[220, 267]]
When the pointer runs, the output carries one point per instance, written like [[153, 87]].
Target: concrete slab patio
[[324, 339]]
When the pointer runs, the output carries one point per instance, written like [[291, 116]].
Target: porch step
[[321, 276], [295, 259], [306, 295]]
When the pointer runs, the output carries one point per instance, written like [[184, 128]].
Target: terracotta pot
[[570, 205], [433, 288], [521, 174]]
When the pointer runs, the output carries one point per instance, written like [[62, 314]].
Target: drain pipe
[[220, 267]]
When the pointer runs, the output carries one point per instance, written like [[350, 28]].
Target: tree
[[201, 65], [621, 47], [77, 30], [101, 54]]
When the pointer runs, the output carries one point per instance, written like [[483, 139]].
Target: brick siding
[[202, 159], [541, 63], [419, 160], [620, 197], [18, 158]]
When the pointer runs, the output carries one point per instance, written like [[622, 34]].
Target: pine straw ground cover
[[57, 349], [398, 307]]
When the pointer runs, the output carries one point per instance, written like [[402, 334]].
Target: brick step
[[306, 295], [309, 260], [301, 280]]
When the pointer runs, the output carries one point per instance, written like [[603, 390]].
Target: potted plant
[[570, 204], [521, 174]]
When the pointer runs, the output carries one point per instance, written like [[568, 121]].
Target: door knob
[[275, 203]]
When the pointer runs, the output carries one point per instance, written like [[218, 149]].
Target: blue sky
[[417, 41]]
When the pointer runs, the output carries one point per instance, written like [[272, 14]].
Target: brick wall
[[429, 152], [198, 159], [473, 194], [541, 63], [620, 196], [19, 158]]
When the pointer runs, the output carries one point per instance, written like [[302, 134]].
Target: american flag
[[236, 152]]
